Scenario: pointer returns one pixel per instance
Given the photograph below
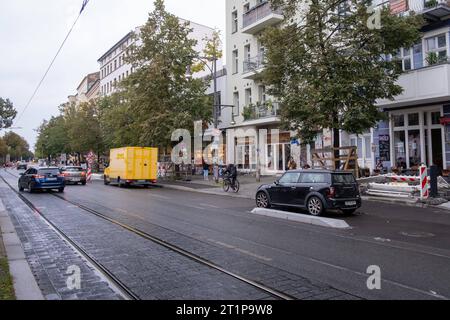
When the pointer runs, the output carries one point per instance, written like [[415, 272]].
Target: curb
[[318, 221], [182, 188], [408, 203], [25, 285]]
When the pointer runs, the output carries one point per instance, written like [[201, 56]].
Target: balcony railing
[[254, 63], [258, 12], [434, 9], [262, 110]]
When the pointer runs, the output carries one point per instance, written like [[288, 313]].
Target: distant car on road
[[315, 190], [22, 166], [74, 174], [41, 179]]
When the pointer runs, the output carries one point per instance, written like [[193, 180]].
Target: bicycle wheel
[[236, 186], [226, 185]]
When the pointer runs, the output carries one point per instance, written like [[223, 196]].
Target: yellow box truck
[[132, 166]]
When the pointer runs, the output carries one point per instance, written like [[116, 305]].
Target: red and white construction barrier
[[89, 175], [424, 184]]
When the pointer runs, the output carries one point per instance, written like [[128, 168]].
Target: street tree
[[7, 113], [159, 93], [328, 65], [52, 138], [18, 147]]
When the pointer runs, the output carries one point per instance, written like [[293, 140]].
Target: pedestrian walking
[[205, 171]]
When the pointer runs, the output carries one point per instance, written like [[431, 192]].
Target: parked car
[[315, 190], [75, 175], [22, 166], [41, 179]]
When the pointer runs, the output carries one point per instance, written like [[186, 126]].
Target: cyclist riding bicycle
[[231, 172]]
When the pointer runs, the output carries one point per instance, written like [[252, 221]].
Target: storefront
[[417, 136]]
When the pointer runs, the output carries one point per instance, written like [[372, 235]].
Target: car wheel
[[349, 211], [315, 206], [30, 188], [61, 190], [21, 188], [262, 200], [105, 181], [83, 183]]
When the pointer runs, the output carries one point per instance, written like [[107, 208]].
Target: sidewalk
[[248, 185]]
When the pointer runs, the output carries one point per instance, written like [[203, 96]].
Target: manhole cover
[[418, 234]]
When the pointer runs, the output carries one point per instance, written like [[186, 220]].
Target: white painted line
[[318, 221], [209, 205]]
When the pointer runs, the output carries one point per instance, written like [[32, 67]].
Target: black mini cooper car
[[315, 190]]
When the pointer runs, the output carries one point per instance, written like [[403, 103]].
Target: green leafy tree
[[325, 64], [52, 138], [18, 147], [7, 113], [159, 93]]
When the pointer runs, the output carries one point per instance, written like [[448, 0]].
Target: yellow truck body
[[132, 166]]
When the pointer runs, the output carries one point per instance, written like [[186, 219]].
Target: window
[[115, 64], [234, 21], [435, 118], [262, 94], [248, 97], [404, 59], [236, 103], [368, 146], [438, 46], [399, 120], [120, 61], [290, 177], [235, 61], [246, 7], [247, 52], [413, 119], [343, 178], [418, 56], [313, 178]]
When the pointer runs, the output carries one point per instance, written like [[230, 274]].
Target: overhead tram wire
[[85, 2]]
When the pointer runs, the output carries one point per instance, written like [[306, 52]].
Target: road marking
[[158, 196], [229, 246], [428, 293], [209, 205], [382, 239]]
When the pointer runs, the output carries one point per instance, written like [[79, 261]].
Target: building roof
[[91, 78], [117, 45]]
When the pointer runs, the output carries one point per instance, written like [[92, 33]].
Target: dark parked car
[[22, 166], [315, 190], [74, 175], [41, 179]]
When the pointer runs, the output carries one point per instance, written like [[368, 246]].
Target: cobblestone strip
[[148, 269], [281, 280], [50, 256]]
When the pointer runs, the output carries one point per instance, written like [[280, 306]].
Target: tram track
[[271, 292]]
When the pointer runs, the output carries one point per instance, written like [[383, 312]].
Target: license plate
[[51, 179], [142, 181], [350, 203], [76, 179]]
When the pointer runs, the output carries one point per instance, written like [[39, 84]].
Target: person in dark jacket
[[231, 171], [205, 171]]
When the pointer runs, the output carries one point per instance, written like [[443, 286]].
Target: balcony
[[432, 10], [263, 110], [430, 84], [253, 66], [260, 17]]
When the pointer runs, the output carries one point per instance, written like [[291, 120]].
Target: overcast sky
[[31, 32]]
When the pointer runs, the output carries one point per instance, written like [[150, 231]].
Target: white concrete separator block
[[318, 221]]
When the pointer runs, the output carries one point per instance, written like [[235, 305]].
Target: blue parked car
[[42, 179]]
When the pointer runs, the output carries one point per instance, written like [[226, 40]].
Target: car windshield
[[73, 169], [48, 171], [343, 178]]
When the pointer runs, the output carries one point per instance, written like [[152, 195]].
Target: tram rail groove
[[121, 287], [165, 244]]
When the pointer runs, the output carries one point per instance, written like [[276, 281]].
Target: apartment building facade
[[418, 127], [113, 65], [88, 89]]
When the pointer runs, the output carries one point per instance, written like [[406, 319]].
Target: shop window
[[399, 120], [435, 118], [414, 148], [413, 119], [400, 150]]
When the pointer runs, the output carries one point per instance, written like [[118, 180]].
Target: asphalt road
[[410, 245]]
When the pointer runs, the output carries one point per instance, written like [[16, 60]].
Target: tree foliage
[[16, 146], [325, 64], [159, 91], [7, 113]]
